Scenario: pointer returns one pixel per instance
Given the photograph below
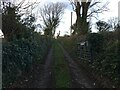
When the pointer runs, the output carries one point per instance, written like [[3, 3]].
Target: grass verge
[[61, 69]]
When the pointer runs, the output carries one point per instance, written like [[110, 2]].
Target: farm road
[[43, 75], [79, 77]]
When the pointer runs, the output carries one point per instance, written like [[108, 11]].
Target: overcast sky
[[64, 26]]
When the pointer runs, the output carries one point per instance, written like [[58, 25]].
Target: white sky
[[64, 26]]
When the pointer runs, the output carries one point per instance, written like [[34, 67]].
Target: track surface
[[42, 76]]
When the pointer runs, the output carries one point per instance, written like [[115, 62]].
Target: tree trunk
[[81, 22]]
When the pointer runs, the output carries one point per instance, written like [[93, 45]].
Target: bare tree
[[103, 26], [113, 22], [84, 10], [23, 7], [51, 15]]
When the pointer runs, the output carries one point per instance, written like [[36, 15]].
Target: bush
[[20, 55]]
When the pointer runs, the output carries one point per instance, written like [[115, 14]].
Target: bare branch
[[99, 10], [20, 4], [93, 4], [73, 5]]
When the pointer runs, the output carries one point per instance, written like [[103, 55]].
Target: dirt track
[[43, 75], [79, 77], [44, 80], [40, 77]]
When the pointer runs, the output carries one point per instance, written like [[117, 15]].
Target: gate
[[83, 51]]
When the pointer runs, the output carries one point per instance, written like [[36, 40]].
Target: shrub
[[106, 52], [20, 55]]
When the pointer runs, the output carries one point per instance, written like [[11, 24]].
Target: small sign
[[83, 43]]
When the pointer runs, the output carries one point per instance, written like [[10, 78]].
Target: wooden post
[[71, 24]]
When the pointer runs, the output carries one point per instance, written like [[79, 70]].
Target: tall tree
[[11, 19], [51, 15], [85, 9]]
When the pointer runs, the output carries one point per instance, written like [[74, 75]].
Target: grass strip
[[61, 69]]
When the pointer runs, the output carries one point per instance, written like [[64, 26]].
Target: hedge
[[20, 54]]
